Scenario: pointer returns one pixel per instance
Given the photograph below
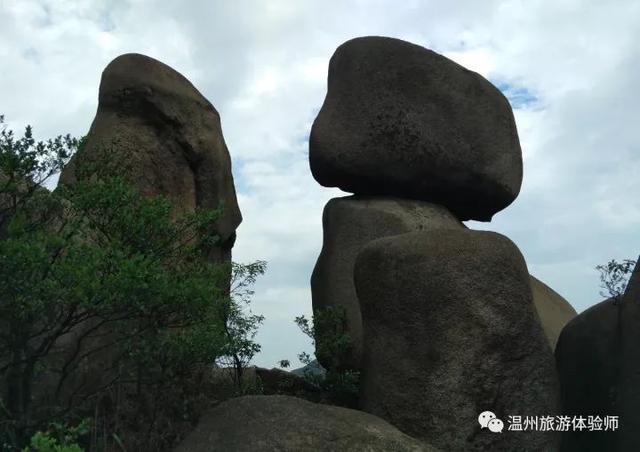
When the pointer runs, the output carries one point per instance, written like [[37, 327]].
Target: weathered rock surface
[[554, 311], [598, 361], [449, 332], [289, 424], [155, 128], [401, 120], [349, 223]]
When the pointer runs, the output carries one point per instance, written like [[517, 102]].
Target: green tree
[[328, 332], [240, 326], [101, 284]]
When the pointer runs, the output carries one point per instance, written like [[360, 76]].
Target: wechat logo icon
[[488, 420]]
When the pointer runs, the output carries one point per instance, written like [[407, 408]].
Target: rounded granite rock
[[402, 120], [290, 424], [154, 128], [348, 224], [598, 361], [451, 331]]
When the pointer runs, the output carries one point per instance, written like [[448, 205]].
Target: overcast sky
[[570, 69]]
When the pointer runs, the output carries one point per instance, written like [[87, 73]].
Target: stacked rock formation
[[442, 318], [598, 360]]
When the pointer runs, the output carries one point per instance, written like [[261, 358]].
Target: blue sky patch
[[519, 96]]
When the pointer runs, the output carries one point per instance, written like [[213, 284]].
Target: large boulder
[[349, 223], [598, 361], [156, 129], [289, 424], [450, 331], [629, 387], [588, 362], [554, 311], [402, 120]]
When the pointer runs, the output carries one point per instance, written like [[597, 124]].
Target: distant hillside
[[314, 368]]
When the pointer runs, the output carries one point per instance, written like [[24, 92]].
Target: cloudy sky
[[569, 68]]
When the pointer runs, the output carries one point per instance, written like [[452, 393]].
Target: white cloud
[[263, 65]]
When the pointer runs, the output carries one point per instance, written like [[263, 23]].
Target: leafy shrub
[[333, 344], [111, 306], [59, 438]]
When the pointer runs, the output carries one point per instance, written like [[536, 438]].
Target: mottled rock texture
[[349, 223], [156, 129], [450, 331], [289, 424], [404, 121]]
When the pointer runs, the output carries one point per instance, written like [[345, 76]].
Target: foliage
[[284, 363], [328, 331], [59, 438], [95, 274], [614, 277], [25, 165], [240, 327]]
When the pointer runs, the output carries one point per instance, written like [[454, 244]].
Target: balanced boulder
[[404, 121], [289, 424], [155, 128], [450, 331]]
